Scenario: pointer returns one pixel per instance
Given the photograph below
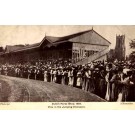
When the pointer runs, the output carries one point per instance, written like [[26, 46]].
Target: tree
[[132, 43], [1, 49], [132, 46]]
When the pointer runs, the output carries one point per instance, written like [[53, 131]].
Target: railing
[[93, 57]]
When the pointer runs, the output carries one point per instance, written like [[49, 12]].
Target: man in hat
[[75, 76], [97, 81], [49, 75], [83, 77], [102, 82]]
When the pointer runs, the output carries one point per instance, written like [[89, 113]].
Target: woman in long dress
[[35, 73], [115, 84], [87, 79], [83, 79], [48, 76], [59, 76], [66, 77], [63, 80], [45, 75], [102, 84], [120, 84], [127, 83], [79, 79], [54, 75], [108, 77], [70, 76]]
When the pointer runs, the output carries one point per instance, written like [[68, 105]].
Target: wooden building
[[76, 47]]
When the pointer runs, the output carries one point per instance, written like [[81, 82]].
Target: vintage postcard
[[67, 67]]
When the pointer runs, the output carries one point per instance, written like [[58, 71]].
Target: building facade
[[75, 47]]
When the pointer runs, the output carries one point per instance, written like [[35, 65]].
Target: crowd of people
[[112, 81]]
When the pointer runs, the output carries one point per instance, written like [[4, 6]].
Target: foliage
[[132, 55], [132, 43]]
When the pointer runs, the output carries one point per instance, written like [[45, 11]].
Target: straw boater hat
[[96, 69]]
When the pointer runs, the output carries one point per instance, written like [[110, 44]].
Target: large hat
[[96, 69], [125, 70]]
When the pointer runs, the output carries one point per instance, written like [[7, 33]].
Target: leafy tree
[[1, 49], [132, 46]]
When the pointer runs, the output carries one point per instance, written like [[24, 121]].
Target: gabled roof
[[52, 39], [89, 36], [16, 48], [68, 37], [31, 46], [10, 48]]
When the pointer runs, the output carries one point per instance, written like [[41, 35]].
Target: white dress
[[45, 76], [70, 75], [54, 79], [79, 79], [108, 94]]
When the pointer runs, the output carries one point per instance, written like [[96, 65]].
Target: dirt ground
[[14, 89]]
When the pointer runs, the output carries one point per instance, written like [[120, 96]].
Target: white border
[[58, 12]]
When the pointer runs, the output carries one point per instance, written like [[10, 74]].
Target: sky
[[29, 34]]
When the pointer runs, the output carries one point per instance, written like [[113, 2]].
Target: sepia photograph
[[67, 67], [67, 63]]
